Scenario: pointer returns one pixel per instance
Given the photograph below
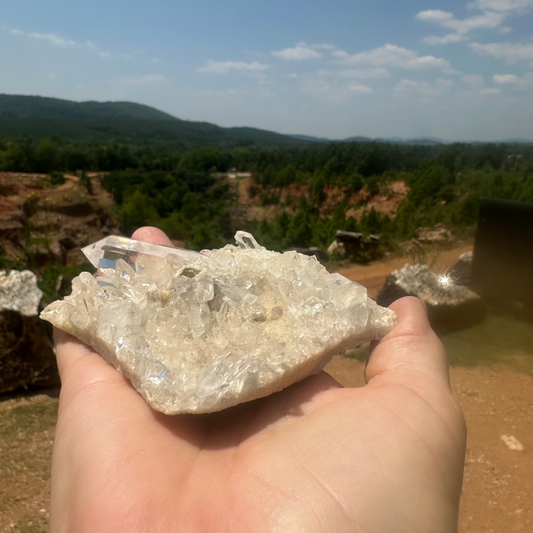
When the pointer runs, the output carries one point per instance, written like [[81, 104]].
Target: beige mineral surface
[[198, 333]]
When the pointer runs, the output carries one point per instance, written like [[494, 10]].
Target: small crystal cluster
[[197, 333]]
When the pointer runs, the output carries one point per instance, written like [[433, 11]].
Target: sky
[[449, 69]]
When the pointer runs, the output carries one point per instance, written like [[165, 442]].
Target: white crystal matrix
[[197, 333]]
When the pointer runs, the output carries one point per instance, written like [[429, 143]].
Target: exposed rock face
[[42, 224], [437, 234], [26, 353], [198, 333], [450, 305]]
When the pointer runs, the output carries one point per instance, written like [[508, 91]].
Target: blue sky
[[451, 69]]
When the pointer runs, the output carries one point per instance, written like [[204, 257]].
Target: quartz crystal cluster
[[199, 332]]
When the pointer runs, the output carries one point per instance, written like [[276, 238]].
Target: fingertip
[[411, 348], [152, 235], [412, 316]]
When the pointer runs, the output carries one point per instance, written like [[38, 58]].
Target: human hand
[[315, 457]]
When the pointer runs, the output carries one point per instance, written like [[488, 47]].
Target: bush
[[57, 178]]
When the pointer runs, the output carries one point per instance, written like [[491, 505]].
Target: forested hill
[[39, 107], [38, 117]]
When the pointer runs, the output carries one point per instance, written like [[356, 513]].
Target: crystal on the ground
[[200, 332]]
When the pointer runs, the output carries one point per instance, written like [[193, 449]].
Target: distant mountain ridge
[[128, 122], [426, 141], [40, 107], [41, 117]]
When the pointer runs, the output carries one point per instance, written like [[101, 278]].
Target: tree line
[[178, 189]]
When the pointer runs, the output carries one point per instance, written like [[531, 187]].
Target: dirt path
[[498, 483]]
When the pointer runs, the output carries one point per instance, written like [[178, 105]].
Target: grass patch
[[497, 342], [28, 419]]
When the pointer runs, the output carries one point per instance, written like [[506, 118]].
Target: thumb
[[410, 352]]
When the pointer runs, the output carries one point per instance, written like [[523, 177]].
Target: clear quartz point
[[246, 240], [106, 252]]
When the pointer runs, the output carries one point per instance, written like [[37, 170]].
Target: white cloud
[[511, 52], [359, 88], [62, 42], [435, 15], [510, 79], [149, 79], [505, 29], [365, 73], [424, 88], [52, 38], [503, 5], [223, 67], [299, 53], [51, 76], [474, 80], [476, 89], [392, 55], [447, 39], [488, 20], [505, 78]]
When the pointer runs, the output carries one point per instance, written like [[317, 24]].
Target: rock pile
[[26, 353], [450, 305]]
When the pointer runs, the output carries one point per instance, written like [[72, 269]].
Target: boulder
[[19, 292], [461, 271], [26, 354], [438, 234], [349, 244], [450, 306]]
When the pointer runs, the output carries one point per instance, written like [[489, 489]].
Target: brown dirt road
[[498, 483]]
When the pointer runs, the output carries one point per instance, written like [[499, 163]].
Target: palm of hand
[[387, 457]]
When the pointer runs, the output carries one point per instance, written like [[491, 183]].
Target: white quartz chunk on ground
[[19, 292], [199, 333]]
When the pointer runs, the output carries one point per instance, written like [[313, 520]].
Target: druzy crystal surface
[[199, 332]]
